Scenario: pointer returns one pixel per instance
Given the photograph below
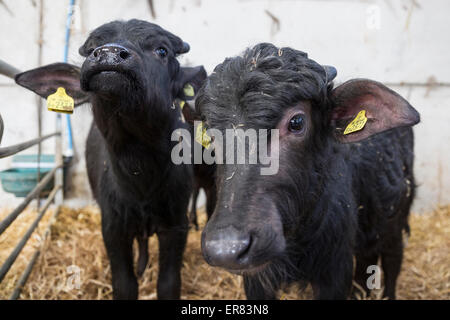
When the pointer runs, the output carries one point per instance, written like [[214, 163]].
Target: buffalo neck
[[125, 123], [138, 141]]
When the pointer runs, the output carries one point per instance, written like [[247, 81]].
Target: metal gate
[[55, 195]]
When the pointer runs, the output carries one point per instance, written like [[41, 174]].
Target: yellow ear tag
[[202, 137], [189, 90], [182, 103], [60, 102], [358, 123]]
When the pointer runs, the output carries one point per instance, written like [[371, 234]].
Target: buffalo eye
[[162, 52], [297, 123]]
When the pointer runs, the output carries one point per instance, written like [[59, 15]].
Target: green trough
[[23, 175]]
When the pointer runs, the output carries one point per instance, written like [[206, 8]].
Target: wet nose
[[227, 248], [110, 54]]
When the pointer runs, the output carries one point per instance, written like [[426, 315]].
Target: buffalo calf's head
[[135, 58], [280, 90], [131, 65]]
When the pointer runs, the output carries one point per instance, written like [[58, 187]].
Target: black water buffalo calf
[[335, 195], [132, 78]]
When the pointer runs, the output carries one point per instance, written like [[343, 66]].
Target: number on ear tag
[[60, 101], [358, 123]]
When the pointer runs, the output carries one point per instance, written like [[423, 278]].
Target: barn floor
[[76, 241]]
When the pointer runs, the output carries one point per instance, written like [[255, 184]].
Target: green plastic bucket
[[21, 179]]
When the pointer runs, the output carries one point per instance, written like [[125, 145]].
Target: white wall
[[396, 42]]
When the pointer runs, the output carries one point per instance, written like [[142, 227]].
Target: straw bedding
[[76, 241]]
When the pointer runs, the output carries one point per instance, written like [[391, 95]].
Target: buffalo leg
[[119, 247], [391, 261], [211, 199], [335, 282], [171, 248], [361, 275], [193, 214], [143, 255]]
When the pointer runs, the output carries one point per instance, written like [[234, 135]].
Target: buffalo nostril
[[124, 54], [228, 251], [110, 53], [244, 248]]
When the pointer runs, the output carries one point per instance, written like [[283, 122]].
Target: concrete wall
[[402, 43]]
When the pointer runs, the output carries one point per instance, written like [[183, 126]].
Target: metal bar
[[9, 151], [59, 178], [8, 70], [68, 29], [69, 152], [38, 174], [1, 128], [25, 275], [38, 98], [13, 215], [18, 249]]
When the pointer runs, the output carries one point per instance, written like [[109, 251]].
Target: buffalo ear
[[383, 108], [47, 79], [189, 81]]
